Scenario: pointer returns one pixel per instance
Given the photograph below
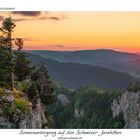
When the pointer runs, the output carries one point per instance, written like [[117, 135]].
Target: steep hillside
[[128, 104], [93, 107], [85, 108], [78, 75], [18, 111]]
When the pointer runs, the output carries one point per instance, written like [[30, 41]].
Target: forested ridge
[[88, 107], [23, 87], [36, 92]]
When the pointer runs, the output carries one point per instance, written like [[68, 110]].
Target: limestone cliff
[[129, 104], [78, 112], [17, 111], [63, 99]]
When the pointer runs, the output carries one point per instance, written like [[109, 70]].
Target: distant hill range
[[74, 74], [119, 61]]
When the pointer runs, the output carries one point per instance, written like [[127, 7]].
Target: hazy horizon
[[70, 31], [81, 50]]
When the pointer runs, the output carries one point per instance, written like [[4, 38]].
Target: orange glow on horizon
[[80, 31]]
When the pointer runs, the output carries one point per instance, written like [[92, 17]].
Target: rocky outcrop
[[78, 112], [16, 111], [35, 120], [63, 99], [129, 104]]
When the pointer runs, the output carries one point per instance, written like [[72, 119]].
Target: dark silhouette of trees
[[22, 67], [44, 85], [6, 53], [135, 87], [12, 62]]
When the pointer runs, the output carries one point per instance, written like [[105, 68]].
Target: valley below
[[82, 89], [90, 87], [82, 82]]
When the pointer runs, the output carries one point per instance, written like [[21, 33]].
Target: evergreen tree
[[135, 87], [44, 85], [6, 53], [33, 93], [22, 67], [5, 67], [33, 90]]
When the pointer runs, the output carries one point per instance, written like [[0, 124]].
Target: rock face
[[63, 99], [78, 113], [42, 81], [23, 114], [129, 105], [35, 119]]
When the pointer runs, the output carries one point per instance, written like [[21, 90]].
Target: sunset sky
[[78, 30]]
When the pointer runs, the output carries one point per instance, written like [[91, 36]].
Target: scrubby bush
[[23, 86], [2, 91], [32, 91], [8, 110], [21, 104]]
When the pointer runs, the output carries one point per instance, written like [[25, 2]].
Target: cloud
[[27, 13], [43, 18], [50, 18], [56, 45], [54, 18], [29, 39], [20, 19], [36, 15], [60, 46]]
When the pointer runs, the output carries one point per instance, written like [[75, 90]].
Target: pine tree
[[33, 94], [6, 53], [5, 67], [44, 85], [22, 67]]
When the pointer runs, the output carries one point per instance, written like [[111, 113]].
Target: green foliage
[[5, 66], [134, 87], [8, 110], [33, 91], [2, 91], [6, 53], [15, 67], [44, 85], [23, 86], [22, 67], [21, 104], [96, 105], [50, 120], [119, 121], [12, 63]]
